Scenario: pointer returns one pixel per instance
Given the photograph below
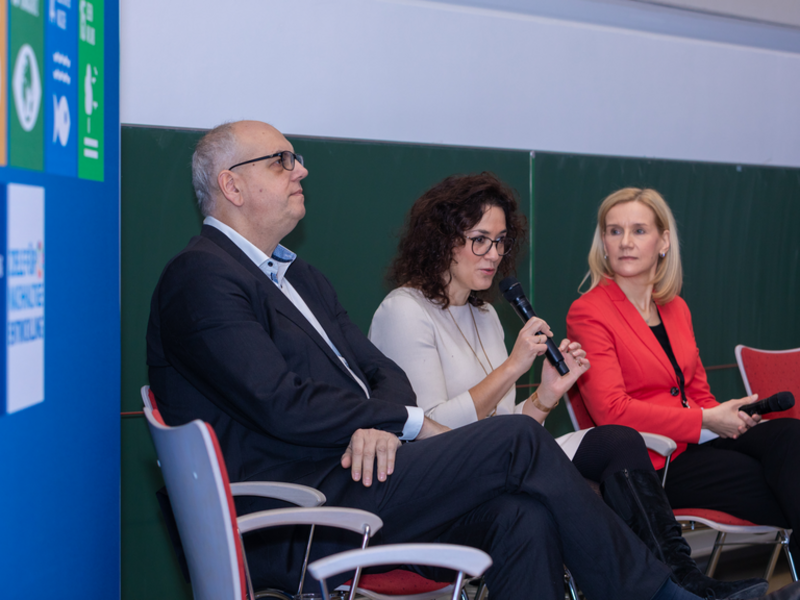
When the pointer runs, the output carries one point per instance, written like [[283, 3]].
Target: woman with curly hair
[[438, 324], [439, 328]]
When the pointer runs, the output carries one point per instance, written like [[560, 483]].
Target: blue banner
[[60, 288]]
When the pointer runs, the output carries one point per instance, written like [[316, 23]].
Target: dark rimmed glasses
[[287, 160], [482, 244]]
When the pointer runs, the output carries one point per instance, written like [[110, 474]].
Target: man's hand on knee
[[367, 445]]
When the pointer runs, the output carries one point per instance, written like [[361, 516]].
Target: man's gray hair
[[215, 152]]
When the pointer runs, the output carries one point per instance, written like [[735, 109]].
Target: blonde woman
[[647, 374]]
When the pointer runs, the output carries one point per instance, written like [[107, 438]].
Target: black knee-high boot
[[638, 498]]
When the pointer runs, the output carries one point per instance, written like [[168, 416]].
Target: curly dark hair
[[436, 224]]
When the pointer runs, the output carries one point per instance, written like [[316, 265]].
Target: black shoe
[[637, 497], [789, 592], [714, 589]]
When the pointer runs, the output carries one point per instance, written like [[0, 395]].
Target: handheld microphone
[[775, 403], [512, 291]]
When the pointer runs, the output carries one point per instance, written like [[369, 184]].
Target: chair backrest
[[578, 413], [149, 400], [767, 372], [199, 491]]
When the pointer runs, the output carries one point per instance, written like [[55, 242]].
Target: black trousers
[[755, 477], [608, 449], [502, 485]]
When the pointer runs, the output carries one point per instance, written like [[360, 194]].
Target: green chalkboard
[[158, 218], [738, 229], [357, 194], [740, 245]]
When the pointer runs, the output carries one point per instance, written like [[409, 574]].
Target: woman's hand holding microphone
[[530, 344]]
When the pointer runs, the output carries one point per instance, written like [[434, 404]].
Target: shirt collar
[[274, 266]]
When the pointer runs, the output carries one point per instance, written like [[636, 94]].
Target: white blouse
[[424, 340]]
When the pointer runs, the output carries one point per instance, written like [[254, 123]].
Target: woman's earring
[[605, 256], [663, 254]]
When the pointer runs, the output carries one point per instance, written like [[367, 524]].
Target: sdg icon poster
[[3, 82], [55, 86], [26, 51], [61, 87], [91, 72]]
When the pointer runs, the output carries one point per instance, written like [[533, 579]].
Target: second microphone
[[512, 291]]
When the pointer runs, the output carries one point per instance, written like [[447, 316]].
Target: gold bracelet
[[535, 400]]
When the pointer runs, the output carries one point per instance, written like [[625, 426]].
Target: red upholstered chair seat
[[399, 582], [713, 515]]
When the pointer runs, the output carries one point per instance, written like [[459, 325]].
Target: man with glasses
[[250, 338]]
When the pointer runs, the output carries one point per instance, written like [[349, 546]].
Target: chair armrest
[[659, 444], [458, 558], [301, 495], [352, 519]]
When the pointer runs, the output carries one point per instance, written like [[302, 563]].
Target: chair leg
[[773, 560], [480, 593], [789, 557], [250, 592], [305, 561], [573, 591], [714, 558], [458, 587]]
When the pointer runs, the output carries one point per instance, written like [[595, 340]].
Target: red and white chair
[[767, 372], [211, 534], [721, 522], [462, 559]]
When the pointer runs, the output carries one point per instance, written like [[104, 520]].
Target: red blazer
[[631, 378]]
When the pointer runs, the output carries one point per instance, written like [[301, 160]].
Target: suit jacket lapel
[[310, 295], [638, 326], [277, 299]]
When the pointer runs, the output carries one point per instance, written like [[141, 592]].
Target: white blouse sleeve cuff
[[456, 412]]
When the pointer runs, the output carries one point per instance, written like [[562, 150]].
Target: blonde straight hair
[[669, 272]]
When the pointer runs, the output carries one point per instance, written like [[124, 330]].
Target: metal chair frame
[[724, 524], [309, 512], [449, 556]]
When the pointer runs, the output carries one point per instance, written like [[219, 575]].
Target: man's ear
[[229, 185]]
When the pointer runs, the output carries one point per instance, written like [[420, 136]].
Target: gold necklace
[[491, 368]]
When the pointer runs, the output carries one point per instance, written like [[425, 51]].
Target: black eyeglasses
[[287, 160], [482, 244]]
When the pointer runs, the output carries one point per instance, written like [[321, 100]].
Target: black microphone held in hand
[[512, 291], [775, 403]]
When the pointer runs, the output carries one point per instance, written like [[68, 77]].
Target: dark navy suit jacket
[[225, 345]]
